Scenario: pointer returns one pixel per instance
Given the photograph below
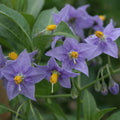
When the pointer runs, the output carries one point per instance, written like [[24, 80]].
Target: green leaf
[[29, 18], [12, 29], [115, 116], [34, 7], [89, 105], [16, 16], [63, 29], [57, 111], [3, 108], [42, 41], [44, 88], [44, 19], [98, 115]]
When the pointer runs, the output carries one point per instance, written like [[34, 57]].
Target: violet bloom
[[2, 61], [56, 74], [98, 23], [71, 55], [113, 87], [21, 77], [103, 42], [77, 19]]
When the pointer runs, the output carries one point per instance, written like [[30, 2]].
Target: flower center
[[102, 17], [18, 79], [54, 78], [13, 55], [50, 27], [74, 54], [99, 34]]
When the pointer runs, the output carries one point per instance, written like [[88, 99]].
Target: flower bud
[[113, 87], [74, 93], [104, 89], [97, 86]]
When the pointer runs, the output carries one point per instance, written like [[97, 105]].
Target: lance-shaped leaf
[[89, 106], [115, 116], [34, 7], [3, 108], [12, 29]]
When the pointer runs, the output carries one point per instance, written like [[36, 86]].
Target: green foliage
[[115, 116], [3, 108], [34, 7], [89, 105], [63, 29], [44, 88]]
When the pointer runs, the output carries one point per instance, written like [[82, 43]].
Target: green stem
[[78, 81], [78, 106], [53, 96], [92, 83]]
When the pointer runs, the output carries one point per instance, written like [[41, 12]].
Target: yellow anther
[[18, 79], [102, 17], [74, 54], [99, 34], [13, 55], [50, 27], [54, 78]]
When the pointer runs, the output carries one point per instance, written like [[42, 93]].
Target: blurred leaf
[[16, 16], [63, 29], [44, 88], [59, 4], [89, 105], [44, 19], [98, 115], [115, 116], [29, 18], [34, 7], [12, 29], [42, 41], [3, 108], [57, 111]]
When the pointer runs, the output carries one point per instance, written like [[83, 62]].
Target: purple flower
[[98, 23], [21, 77], [71, 55], [56, 74], [113, 87], [77, 19], [103, 42], [3, 61], [32, 54]]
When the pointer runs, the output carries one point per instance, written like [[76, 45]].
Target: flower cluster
[[19, 75]]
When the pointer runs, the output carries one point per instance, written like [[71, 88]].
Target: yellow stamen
[[18, 79], [102, 17], [74, 54], [54, 78], [13, 55], [50, 27], [99, 34]]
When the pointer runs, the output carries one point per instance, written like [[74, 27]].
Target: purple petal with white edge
[[57, 52], [12, 90], [52, 64], [70, 44], [23, 62], [8, 71], [28, 90], [111, 48], [56, 38], [34, 75], [65, 82], [82, 67]]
